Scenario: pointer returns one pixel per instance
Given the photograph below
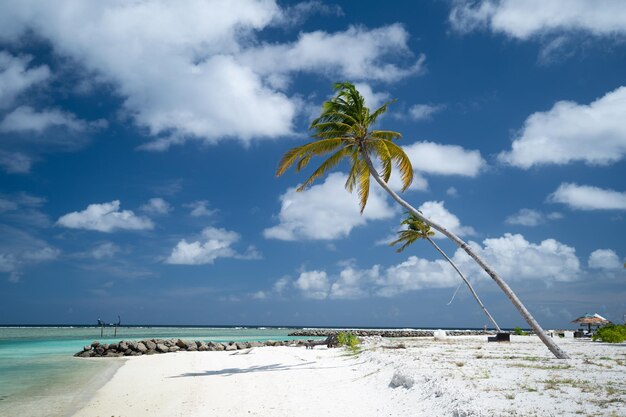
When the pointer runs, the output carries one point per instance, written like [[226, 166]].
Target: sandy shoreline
[[460, 376]]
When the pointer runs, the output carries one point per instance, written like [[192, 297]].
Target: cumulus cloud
[[363, 57], [438, 159], [326, 211], [605, 259], [105, 217], [313, 284], [569, 132], [211, 77], [525, 19], [436, 211], [200, 208], [156, 206], [586, 197], [515, 259], [373, 100], [27, 119], [424, 111], [213, 243], [530, 217], [16, 76]]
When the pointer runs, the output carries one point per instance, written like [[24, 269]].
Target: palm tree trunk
[[466, 282], [554, 348]]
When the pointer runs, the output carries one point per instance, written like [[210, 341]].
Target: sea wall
[[154, 346], [387, 333]]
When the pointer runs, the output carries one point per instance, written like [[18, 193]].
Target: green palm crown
[[343, 129], [416, 229]]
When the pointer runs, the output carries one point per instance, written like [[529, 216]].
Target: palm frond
[[318, 147], [385, 158], [328, 164], [364, 185], [402, 162]]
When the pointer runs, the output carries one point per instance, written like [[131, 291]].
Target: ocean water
[[40, 377]]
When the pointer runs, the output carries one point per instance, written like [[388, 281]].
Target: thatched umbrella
[[591, 320]]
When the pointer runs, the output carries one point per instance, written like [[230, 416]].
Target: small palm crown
[[343, 129], [416, 229]]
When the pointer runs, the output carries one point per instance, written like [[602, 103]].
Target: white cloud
[[27, 119], [105, 217], [526, 217], [512, 256], [364, 54], [16, 77], [569, 132], [604, 259], [200, 208], [452, 192], [104, 250], [373, 100], [436, 211], [19, 250], [353, 283], [281, 284], [515, 259], [156, 206], [586, 197], [213, 244], [313, 284], [326, 211], [525, 19], [211, 77], [15, 162], [424, 111], [434, 158]]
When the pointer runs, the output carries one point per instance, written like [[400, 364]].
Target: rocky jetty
[[387, 332], [153, 346]]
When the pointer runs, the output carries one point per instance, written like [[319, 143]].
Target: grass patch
[[544, 367]]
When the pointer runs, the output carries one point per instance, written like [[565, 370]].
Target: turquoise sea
[[40, 377]]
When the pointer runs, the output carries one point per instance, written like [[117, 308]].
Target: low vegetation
[[349, 340], [613, 333]]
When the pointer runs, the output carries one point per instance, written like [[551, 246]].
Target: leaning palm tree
[[417, 229], [343, 129]]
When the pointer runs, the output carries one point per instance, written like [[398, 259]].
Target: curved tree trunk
[[554, 348], [466, 283]]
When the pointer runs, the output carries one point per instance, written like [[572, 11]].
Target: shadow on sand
[[265, 368]]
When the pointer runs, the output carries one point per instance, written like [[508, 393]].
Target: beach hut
[[591, 320]]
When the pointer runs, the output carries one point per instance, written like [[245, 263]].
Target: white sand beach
[[460, 376]]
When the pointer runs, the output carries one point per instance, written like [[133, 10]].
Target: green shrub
[[612, 333], [519, 332], [349, 340]]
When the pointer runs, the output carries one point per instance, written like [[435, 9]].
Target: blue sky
[[139, 141]]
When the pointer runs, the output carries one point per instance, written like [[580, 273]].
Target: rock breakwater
[[387, 332], [154, 346]]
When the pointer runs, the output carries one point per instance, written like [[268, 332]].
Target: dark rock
[[86, 347], [128, 352], [123, 345], [162, 348], [203, 347], [241, 345], [140, 347], [95, 344], [174, 349], [150, 344], [231, 347]]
